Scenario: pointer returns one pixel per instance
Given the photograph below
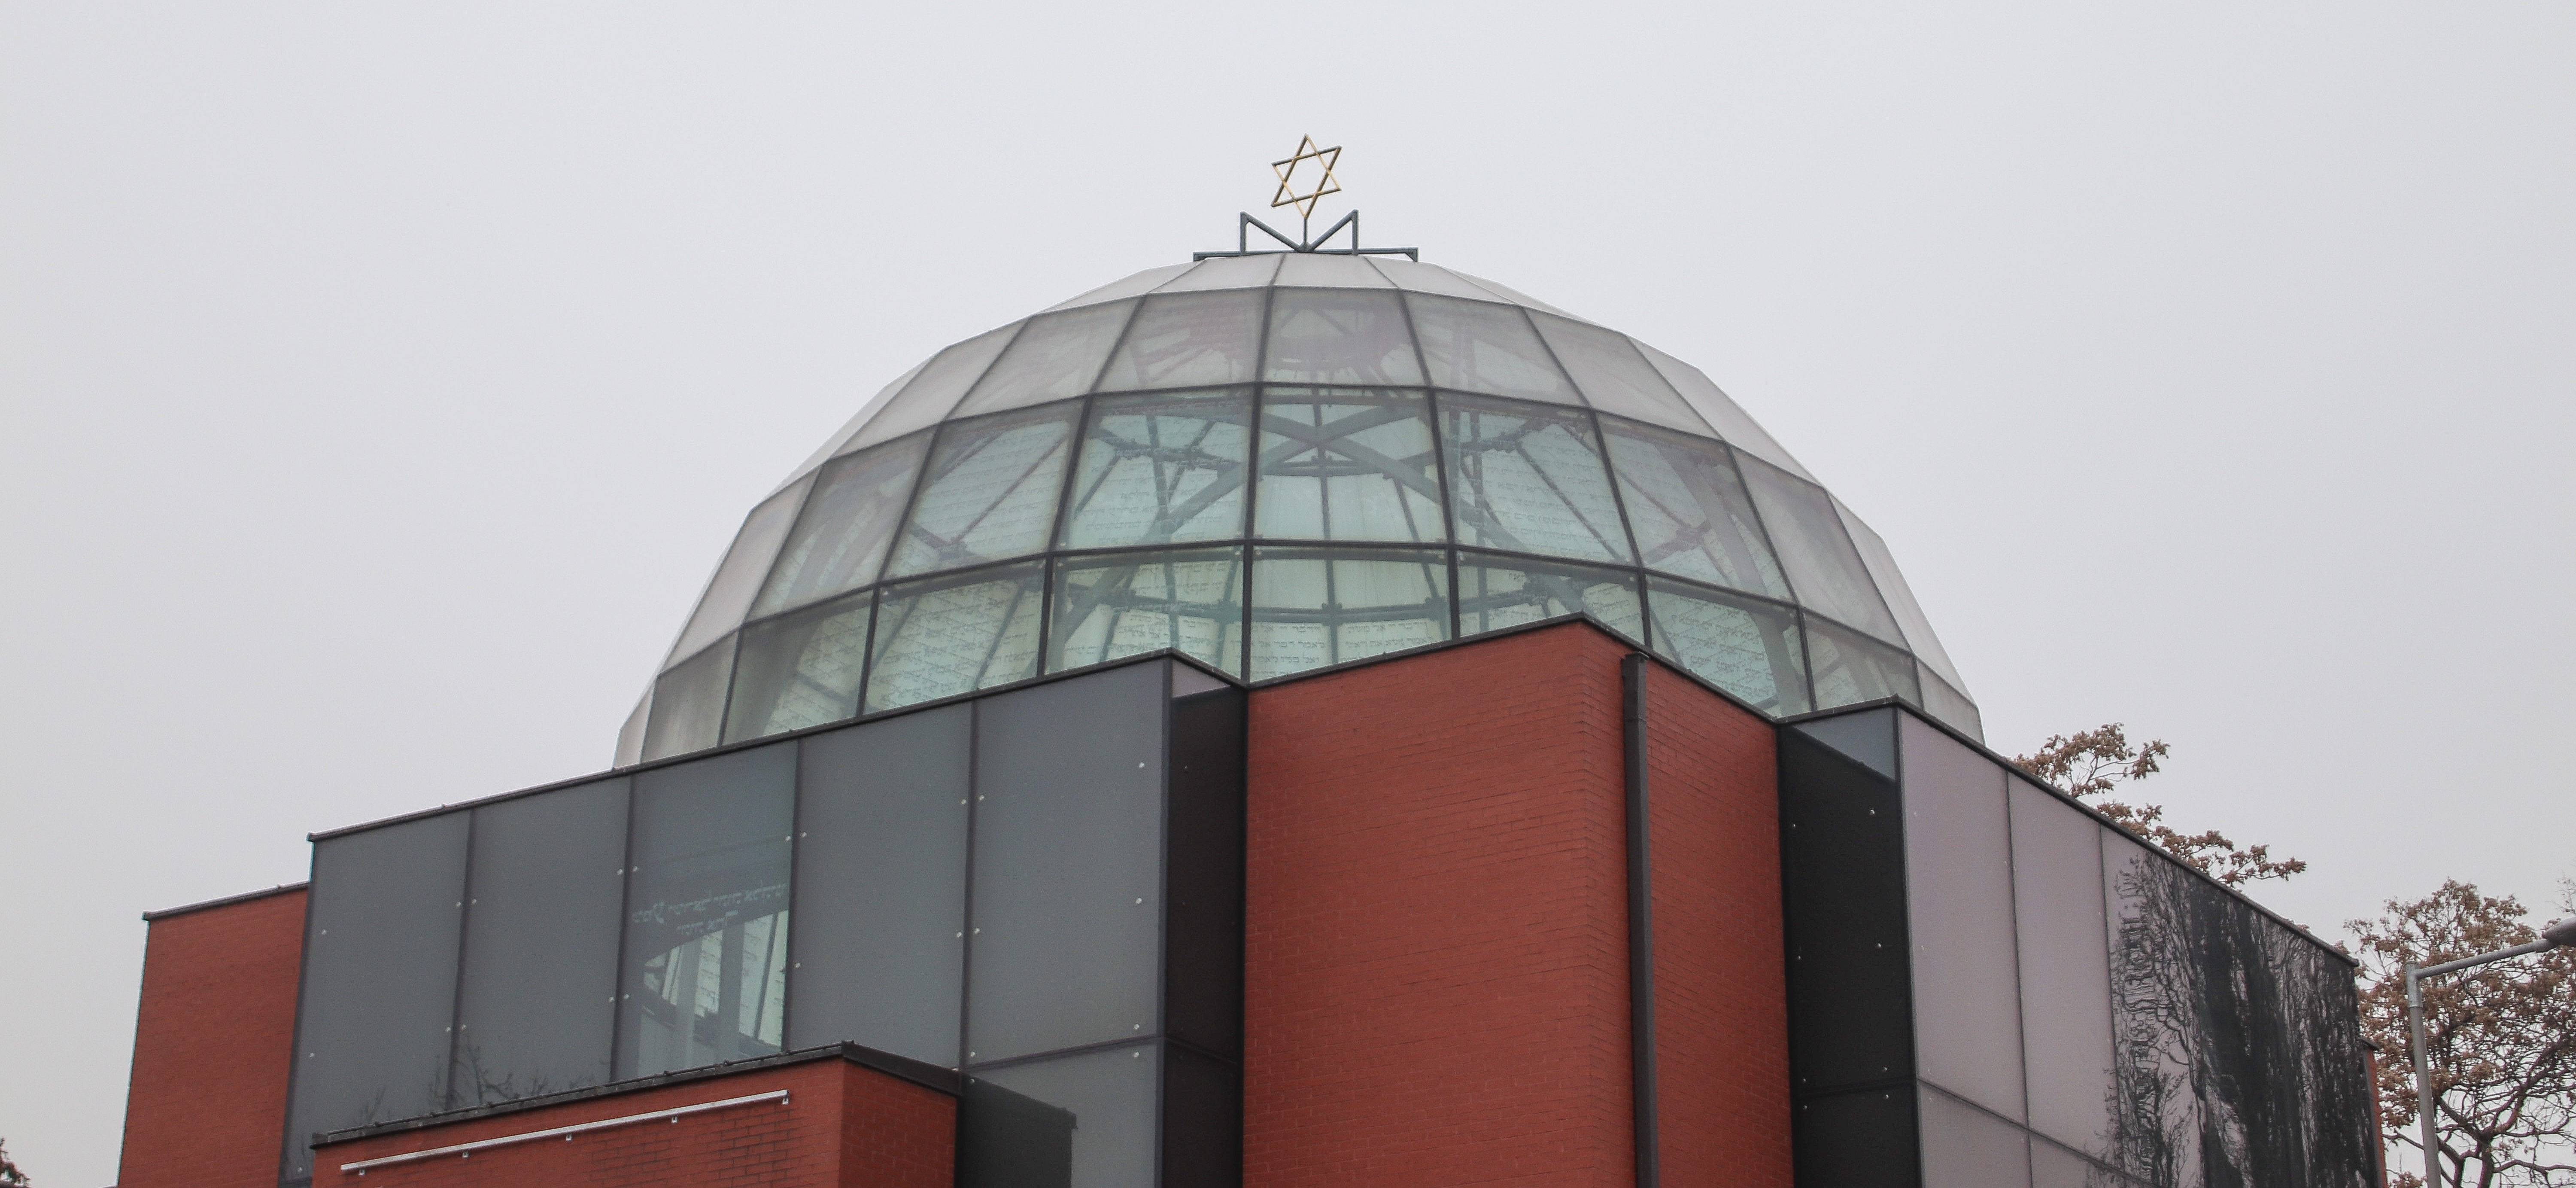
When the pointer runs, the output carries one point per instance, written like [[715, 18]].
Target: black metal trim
[[226, 901], [1641, 923]]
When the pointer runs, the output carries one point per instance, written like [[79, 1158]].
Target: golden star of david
[[1287, 171]]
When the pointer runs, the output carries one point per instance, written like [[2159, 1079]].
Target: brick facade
[[214, 1039], [845, 1126], [1437, 968]]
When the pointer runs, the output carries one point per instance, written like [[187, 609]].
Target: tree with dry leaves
[[10, 1176], [2090, 764], [2500, 1039]]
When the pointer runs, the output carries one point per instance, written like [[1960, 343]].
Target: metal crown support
[[1243, 241]]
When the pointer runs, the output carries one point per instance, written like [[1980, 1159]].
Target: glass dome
[[1274, 464]]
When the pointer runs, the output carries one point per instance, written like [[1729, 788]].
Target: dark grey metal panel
[[1065, 929], [1843, 879], [1862, 1139], [536, 1007], [379, 985], [1203, 961], [881, 885]]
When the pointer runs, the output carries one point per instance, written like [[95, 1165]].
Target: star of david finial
[[1290, 169]]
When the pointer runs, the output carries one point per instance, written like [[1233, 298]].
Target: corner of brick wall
[[214, 1038]]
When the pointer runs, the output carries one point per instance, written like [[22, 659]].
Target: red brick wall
[[1436, 969], [844, 1126], [1721, 1009], [213, 1042]]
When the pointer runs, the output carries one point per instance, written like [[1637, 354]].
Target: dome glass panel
[[1275, 464]]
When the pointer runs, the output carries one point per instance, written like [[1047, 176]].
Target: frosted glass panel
[[1225, 272], [1881, 565], [1851, 668], [1347, 465], [932, 395], [1823, 568], [738, 579], [1529, 478], [1959, 896], [1613, 376], [1963, 1148], [1190, 340], [1340, 336], [2065, 968], [799, 670], [1329, 270], [1164, 469], [689, 702], [1314, 607], [956, 634], [991, 491], [1056, 357], [1479, 346], [1142, 282], [1721, 411], [1691, 514], [1748, 648], [1127, 604], [705, 977], [840, 541], [1498, 592]]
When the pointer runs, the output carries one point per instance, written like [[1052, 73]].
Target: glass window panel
[[991, 490], [2156, 1015], [738, 578], [1689, 509], [1416, 277], [1143, 282], [689, 704], [1952, 707], [840, 541], [926, 401], [705, 978], [1065, 940], [630, 737], [1111, 1095], [1499, 592], [832, 446], [1959, 900], [1131, 603], [1721, 411], [1345, 464], [1329, 270], [536, 1008], [1226, 272], [1965, 1148], [379, 986], [1314, 607], [1748, 648], [1510, 294], [1190, 340], [1613, 376], [1529, 478], [955, 634], [2065, 968], [1163, 469], [882, 825], [1881, 565], [799, 670], [1056, 357], [1340, 336], [1851, 668], [1479, 346], [1824, 570]]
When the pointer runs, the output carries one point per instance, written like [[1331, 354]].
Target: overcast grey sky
[[381, 381]]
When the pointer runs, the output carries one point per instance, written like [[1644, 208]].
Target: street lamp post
[[2560, 933]]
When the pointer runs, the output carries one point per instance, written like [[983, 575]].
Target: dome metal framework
[[1278, 463]]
